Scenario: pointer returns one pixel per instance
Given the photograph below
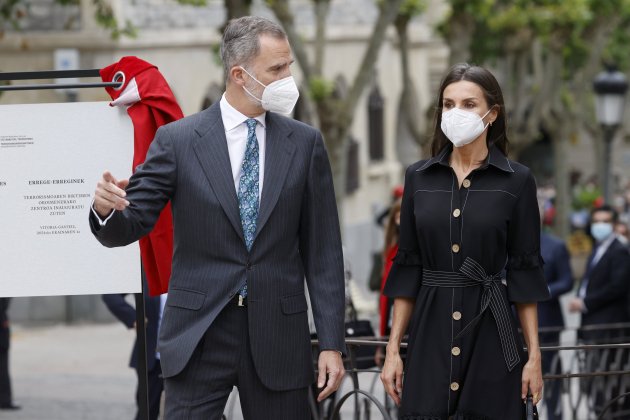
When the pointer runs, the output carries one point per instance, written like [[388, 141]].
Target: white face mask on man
[[462, 127], [601, 230], [279, 96]]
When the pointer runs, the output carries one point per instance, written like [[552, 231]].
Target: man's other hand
[[331, 373]]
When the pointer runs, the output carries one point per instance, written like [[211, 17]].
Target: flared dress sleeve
[[525, 278], [405, 275]]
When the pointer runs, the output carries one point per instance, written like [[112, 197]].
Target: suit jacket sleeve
[[616, 283], [320, 249], [562, 281], [149, 189], [525, 278]]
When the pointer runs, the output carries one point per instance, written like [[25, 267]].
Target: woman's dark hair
[[497, 133]]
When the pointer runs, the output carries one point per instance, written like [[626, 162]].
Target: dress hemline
[[467, 415]]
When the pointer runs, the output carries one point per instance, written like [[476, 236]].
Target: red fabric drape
[[154, 106], [384, 300]]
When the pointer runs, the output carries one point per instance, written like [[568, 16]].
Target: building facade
[[182, 42]]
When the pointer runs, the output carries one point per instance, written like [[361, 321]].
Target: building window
[[376, 124], [352, 176]]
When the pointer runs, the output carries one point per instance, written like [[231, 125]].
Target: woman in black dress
[[469, 246]]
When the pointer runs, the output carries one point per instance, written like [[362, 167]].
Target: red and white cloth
[[150, 104]]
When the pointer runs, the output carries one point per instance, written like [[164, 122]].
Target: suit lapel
[[212, 151], [601, 262], [278, 155]]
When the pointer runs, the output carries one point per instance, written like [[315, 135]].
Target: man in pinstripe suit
[[236, 309]]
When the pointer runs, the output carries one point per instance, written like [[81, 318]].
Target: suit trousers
[[222, 360]]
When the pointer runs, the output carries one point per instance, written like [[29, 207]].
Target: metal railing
[[593, 372], [598, 360]]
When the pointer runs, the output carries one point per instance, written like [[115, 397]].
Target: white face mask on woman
[[462, 127], [279, 96]]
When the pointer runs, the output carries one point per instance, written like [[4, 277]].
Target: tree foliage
[[335, 102], [13, 13]]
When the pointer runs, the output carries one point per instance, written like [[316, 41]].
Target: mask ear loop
[[257, 81], [485, 115], [250, 75]]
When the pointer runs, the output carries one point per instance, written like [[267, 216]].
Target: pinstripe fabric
[[297, 237], [201, 390]]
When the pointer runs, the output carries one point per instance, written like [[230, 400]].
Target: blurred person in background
[[376, 274], [557, 271], [623, 233], [6, 397], [602, 296], [126, 313]]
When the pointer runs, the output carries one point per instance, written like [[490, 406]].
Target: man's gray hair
[[241, 43]]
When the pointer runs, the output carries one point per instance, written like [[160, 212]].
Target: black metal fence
[[591, 377]]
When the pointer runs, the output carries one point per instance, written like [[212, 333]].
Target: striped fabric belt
[[470, 274]]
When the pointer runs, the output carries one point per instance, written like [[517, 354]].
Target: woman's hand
[[392, 374], [532, 371], [532, 378]]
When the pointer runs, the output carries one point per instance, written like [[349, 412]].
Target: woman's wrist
[[534, 355], [393, 348]]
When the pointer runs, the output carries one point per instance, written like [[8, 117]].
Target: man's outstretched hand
[[110, 195]]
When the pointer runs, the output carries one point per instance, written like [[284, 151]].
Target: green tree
[[334, 106], [408, 104], [12, 12]]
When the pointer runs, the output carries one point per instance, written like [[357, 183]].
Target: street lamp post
[[610, 90]]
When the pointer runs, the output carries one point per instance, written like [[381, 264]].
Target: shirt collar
[[495, 158], [232, 118]]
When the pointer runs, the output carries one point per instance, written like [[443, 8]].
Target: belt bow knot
[[471, 273]]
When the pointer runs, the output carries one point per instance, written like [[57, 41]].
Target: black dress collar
[[495, 158]]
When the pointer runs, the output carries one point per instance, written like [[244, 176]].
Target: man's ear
[[237, 75]]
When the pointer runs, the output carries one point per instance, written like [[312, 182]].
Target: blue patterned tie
[[248, 190]]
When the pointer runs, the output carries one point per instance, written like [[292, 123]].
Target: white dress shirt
[[236, 134], [163, 297]]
